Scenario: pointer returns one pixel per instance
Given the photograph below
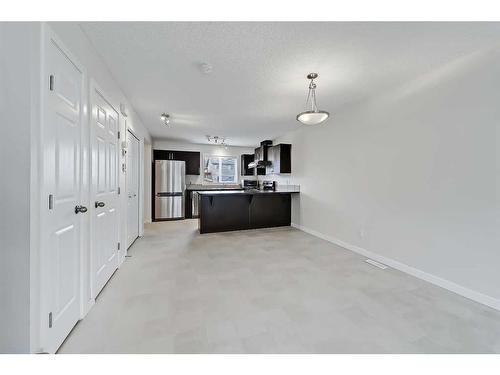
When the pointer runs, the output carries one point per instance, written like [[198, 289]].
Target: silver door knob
[[99, 204], [81, 209]]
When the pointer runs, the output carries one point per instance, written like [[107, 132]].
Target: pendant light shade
[[312, 116]]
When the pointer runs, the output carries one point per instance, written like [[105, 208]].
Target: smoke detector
[[206, 68], [165, 117]]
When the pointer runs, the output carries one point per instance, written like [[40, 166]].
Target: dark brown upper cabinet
[[245, 160], [191, 158], [281, 158]]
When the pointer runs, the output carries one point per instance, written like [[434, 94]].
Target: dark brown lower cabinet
[[221, 213], [226, 212], [270, 210]]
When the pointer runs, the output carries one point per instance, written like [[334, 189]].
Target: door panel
[[104, 188], [64, 266], [60, 226], [132, 188]]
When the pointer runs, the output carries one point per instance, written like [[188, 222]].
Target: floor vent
[[376, 264]]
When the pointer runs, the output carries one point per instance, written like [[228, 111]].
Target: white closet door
[[61, 223], [132, 189], [103, 189]]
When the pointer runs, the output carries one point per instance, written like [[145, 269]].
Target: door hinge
[[119, 190], [118, 135], [51, 82], [118, 246], [51, 201], [50, 320]]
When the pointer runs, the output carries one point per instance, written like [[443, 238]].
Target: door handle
[[81, 209], [99, 204]]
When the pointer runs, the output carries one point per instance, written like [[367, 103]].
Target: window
[[220, 169]]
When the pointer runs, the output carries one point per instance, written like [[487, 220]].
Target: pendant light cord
[[312, 95]]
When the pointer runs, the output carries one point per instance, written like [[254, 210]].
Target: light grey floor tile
[[274, 290]]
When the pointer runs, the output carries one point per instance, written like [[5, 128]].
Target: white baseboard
[[443, 283]]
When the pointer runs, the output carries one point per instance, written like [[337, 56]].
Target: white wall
[[413, 176], [19, 46], [161, 144], [75, 40]]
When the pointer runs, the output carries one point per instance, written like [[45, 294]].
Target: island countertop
[[249, 192], [197, 187]]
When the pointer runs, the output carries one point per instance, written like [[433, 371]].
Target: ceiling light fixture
[[215, 139], [312, 116], [165, 117]]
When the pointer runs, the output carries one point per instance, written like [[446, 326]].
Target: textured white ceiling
[[258, 84]]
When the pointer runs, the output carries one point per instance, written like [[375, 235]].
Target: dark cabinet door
[[162, 155], [188, 205], [220, 213], [273, 158], [281, 158], [191, 158], [272, 210], [245, 160]]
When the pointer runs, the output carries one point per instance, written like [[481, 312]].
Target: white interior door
[[61, 223], [132, 188], [104, 190]]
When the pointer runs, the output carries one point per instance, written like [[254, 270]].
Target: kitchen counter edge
[[248, 192]]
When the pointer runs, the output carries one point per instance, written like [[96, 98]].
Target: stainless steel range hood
[[261, 156], [259, 163]]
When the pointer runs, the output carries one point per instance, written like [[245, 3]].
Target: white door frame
[[41, 291], [141, 179]]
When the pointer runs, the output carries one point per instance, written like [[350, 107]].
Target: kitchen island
[[192, 190], [221, 211]]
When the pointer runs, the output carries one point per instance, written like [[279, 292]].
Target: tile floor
[[272, 291]]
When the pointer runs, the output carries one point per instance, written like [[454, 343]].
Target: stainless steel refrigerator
[[169, 189]]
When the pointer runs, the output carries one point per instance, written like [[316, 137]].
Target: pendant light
[[313, 116]]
